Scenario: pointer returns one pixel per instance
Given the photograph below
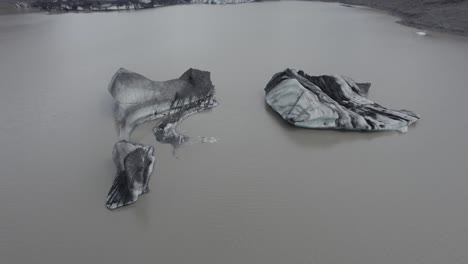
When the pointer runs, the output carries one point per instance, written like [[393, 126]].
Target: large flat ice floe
[[138, 100], [331, 102]]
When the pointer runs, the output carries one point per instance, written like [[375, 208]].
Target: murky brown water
[[266, 192]]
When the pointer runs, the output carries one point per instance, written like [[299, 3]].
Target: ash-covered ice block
[[331, 102]]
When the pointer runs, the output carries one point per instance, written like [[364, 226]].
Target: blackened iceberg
[[331, 102], [139, 99]]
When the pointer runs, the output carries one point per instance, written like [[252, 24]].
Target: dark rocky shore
[[441, 15]]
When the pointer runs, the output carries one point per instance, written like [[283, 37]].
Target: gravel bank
[[441, 15]]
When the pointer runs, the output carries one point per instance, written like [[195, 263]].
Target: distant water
[[7, 7], [265, 192]]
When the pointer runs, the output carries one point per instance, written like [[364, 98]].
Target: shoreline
[[87, 6], [437, 15]]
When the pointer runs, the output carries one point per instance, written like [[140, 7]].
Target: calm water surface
[[266, 193]]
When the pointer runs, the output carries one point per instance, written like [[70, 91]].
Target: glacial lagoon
[[265, 192]]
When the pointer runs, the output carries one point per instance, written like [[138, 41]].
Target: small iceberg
[[135, 165]]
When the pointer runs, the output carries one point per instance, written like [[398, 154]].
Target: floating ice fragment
[[331, 102]]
